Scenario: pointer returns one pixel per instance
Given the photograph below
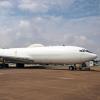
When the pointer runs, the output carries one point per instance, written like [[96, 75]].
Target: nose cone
[[93, 56]]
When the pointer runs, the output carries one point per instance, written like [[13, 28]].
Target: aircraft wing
[[9, 59]]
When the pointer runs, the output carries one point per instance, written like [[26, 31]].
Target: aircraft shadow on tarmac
[[48, 68]]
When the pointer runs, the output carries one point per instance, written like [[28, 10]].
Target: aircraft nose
[[94, 56]]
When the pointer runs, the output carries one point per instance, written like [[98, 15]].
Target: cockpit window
[[84, 50], [81, 51]]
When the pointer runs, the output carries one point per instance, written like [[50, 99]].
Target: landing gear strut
[[84, 67]]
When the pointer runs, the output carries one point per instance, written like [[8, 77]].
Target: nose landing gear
[[82, 67]]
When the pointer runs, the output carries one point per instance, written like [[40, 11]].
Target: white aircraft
[[39, 54]]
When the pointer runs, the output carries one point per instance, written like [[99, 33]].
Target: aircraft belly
[[58, 59]]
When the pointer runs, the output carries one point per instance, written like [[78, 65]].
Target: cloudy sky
[[50, 22]]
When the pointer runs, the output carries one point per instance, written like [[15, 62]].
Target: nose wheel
[[82, 67]]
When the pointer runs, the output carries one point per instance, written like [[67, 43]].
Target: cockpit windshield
[[85, 50]]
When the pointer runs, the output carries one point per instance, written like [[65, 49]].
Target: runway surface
[[46, 84]]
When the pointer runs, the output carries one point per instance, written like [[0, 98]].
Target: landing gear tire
[[84, 67], [1, 66], [71, 68], [18, 65], [6, 65]]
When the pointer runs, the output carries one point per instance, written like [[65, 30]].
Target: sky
[[50, 22]]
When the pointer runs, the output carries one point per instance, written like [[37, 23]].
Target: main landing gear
[[19, 65], [3, 64], [72, 67]]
